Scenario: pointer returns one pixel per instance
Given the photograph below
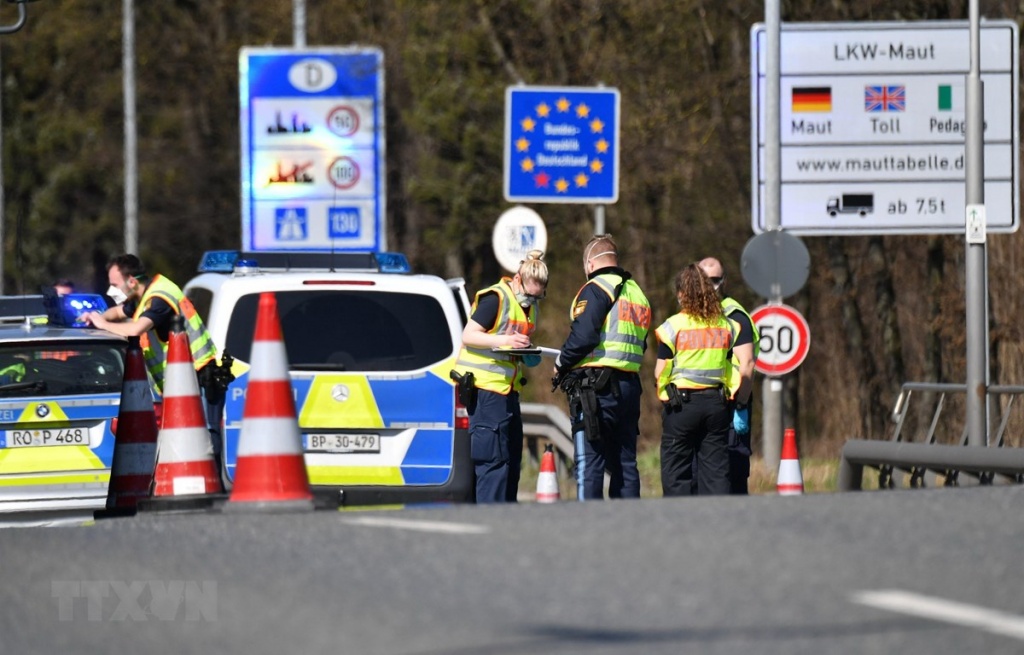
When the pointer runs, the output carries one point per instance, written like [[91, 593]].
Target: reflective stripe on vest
[[700, 352], [624, 331], [494, 371], [730, 306], [154, 351]]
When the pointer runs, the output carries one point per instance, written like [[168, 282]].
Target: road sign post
[[312, 132], [872, 127]]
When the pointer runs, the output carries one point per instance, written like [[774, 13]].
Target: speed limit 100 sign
[[785, 339]]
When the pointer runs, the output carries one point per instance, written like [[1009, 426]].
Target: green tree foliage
[[881, 309]]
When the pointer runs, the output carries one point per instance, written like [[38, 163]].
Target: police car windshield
[[60, 368], [350, 330]]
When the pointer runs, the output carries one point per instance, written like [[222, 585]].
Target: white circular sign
[[312, 75], [518, 231], [785, 339], [343, 172], [343, 121]]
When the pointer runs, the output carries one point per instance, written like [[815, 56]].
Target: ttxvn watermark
[[135, 600]]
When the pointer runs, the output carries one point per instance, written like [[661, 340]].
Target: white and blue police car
[[370, 347], [60, 391]]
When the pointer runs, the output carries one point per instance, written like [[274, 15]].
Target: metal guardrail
[[919, 458], [551, 423]]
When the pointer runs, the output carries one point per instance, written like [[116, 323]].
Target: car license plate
[[47, 437], [343, 443]]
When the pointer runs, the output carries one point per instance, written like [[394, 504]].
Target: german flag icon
[[812, 98]]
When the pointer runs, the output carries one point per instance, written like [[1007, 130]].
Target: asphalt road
[[763, 574]]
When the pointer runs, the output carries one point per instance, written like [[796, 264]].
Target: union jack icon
[[885, 98]]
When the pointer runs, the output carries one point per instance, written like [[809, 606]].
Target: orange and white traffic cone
[[135, 442], [790, 480], [271, 472], [186, 474], [547, 481]]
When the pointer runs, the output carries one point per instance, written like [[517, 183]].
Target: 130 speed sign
[[785, 339]]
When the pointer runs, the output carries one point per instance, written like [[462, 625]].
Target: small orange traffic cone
[[185, 467], [547, 481], [790, 481], [135, 443], [271, 471]]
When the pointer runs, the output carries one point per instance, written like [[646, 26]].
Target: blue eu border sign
[[312, 134], [561, 144]]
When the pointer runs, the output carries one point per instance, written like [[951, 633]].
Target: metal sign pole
[[771, 389], [976, 283], [299, 23], [131, 175]]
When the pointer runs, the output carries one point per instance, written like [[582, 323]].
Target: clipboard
[[533, 350]]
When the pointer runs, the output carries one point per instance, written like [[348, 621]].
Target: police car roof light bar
[[218, 261], [227, 261]]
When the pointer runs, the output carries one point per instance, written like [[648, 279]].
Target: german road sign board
[[561, 144], [785, 339], [872, 125], [312, 132]]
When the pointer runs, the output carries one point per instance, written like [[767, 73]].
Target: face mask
[[116, 295], [525, 300]]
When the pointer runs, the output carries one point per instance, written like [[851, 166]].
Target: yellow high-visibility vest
[[700, 352], [153, 349], [729, 305], [624, 332], [494, 371]]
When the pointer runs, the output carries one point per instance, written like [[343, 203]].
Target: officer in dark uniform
[[744, 353], [598, 366]]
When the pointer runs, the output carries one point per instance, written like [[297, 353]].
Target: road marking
[[938, 609], [422, 526]]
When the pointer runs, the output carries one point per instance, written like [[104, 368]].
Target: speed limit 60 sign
[[785, 339]]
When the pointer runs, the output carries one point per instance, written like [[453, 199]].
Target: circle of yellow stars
[[601, 146]]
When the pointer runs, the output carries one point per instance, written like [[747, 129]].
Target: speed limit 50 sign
[[785, 339]]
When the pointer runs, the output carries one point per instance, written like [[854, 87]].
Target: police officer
[[145, 307], [744, 353], [504, 315], [599, 366], [691, 374]]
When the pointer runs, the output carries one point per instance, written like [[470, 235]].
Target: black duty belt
[[714, 390]]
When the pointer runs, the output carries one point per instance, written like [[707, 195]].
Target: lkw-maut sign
[[872, 127]]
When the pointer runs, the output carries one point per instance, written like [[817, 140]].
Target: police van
[[60, 392], [370, 347]]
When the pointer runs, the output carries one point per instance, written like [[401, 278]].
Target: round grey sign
[[775, 264]]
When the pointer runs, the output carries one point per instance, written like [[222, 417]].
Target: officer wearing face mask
[[503, 315], [598, 367], [145, 307]]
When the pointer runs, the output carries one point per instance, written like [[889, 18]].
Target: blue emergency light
[[67, 311], [392, 262], [218, 261]]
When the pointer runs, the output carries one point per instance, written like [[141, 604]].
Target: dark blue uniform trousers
[[616, 450], [496, 446]]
